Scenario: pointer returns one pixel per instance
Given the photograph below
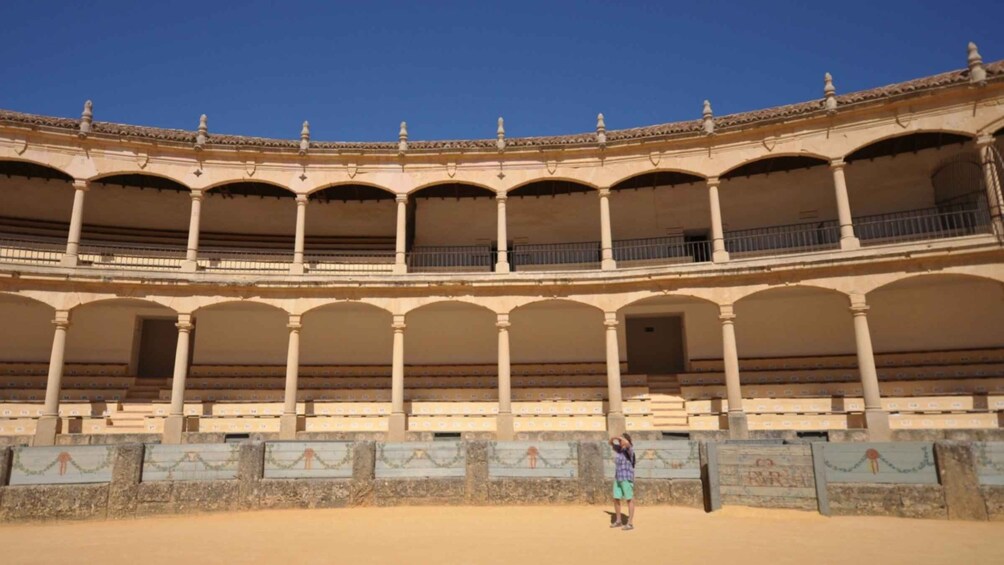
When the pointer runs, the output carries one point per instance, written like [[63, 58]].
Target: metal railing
[[459, 258], [375, 261], [27, 251], [792, 238], [244, 260], [583, 255], [661, 250], [122, 256], [930, 223]]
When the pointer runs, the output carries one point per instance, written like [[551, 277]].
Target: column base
[[719, 256], [289, 424], [608, 264], [877, 422], [738, 426], [296, 269], [504, 429], [174, 429], [45, 431], [850, 243], [616, 424], [397, 428], [502, 268], [189, 266], [69, 261], [400, 269]]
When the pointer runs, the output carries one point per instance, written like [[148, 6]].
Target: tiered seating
[[81, 381]]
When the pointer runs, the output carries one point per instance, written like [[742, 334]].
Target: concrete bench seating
[[850, 375], [914, 405], [414, 394], [36, 395], [66, 409], [491, 382], [38, 382], [931, 387], [69, 369], [519, 369], [822, 422], [946, 357]]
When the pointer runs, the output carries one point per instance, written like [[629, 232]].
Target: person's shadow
[[613, 517]]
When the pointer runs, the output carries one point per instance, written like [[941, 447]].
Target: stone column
[[70, 258], [615, 411], [400, 266], [738, 427], [847, 238], [502, 264], [718, 253], [504, 421], [876, 419], [191, 263], [992, 183], [606, 234], [397, 424], [301, 225], [48, 424], [174, 425], [288, 420]]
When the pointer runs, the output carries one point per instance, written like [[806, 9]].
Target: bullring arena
[[796, 308]]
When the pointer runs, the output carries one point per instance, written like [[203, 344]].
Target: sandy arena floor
[[515, 536]]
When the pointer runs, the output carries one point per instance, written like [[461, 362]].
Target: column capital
[[61, 319], [726, 313], [984, 140], [401, 198], [294, 323], [713, 182], [838, 163], [398, 323], [502, 322], [198, 194], [501, 197], [604, 192], [185, 323], [81, 184], [301, 199], [610, 320], [859, 307]]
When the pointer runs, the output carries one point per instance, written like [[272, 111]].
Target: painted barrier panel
[[196, 462], [412, 460], [660, 460], [308, 460], [778, 476], [62, 465], [906, 462], [989, 457], [527, 459]]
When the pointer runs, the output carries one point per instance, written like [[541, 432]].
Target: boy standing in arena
[[623, 479]]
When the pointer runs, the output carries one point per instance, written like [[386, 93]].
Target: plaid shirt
[[622, 465]]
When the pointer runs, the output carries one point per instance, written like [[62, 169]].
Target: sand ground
[[515, 536]]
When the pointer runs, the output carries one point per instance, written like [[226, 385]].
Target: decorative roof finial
[[402, 139], [500, 143], [305, 138], [202, 137], [830, 93], [709, 119], [601, 130], [977, 74], [86, 118]]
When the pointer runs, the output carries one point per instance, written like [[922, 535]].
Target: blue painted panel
[[308, 460], [62, 465], [989, 458], [414, 460], [196, 462], [900, 462], [660, 460], [529, 459]]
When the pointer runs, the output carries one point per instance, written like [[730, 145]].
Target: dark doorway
[[157, 345], [655, 345]]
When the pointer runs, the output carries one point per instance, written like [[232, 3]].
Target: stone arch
[[351, 183], [334, 304], [639, 301], [26, 164], [994, 127], [781, 162], [683, 174], [902, 278], [542, 180], [154, 300], [751, 292], [222, 183], [346, 332], [451, 331], [4, 293], [799, 320], [220, 301], [439, 300], [441, 182], [102, 176], [557, 330], [539, 300], [860, 152], [240, 332]]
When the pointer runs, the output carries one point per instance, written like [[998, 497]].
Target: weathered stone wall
[[904, 501]]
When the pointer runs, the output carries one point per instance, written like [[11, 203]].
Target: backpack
[[630, 456]]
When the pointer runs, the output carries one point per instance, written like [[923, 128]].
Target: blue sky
[[355, 70]]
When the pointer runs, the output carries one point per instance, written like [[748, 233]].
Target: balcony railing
[[131, 256], [461, 258], [661, 251], [31, 251], [915, 225], [774, 240], [559, 256], [237, 260], [323, 262]]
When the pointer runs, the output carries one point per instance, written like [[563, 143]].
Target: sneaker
[[627, 527], [616, 525]]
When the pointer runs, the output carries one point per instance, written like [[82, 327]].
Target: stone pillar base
[[400, 269], [174, 428], [502, 268], [289, 424], [877, 422], [719, 256], [46, 430], [738, 426], [850, 243], [616, 424], [504, 429], [69, 261], [189, 266], [608, 264], [296, 269], [397, 428]]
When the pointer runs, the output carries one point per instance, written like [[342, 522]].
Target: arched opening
[[916, 186], [660, 217], [802, 215], [452, 227], [247, 226], [34, 222], [25, 342], [347, 334], [554, 224], [350, 227]]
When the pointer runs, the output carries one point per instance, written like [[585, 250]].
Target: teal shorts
[[623, 490]]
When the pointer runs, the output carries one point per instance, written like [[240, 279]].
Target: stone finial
[[402, 138], [830, 94], [709, 119], [500, 132], [601, 130], [305, 138], [203, 135], [977, 74], [86, 119]]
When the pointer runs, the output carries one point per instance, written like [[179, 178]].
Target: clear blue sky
[[356, 69]]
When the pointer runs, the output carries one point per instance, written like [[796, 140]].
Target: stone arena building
[[829, 265]]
